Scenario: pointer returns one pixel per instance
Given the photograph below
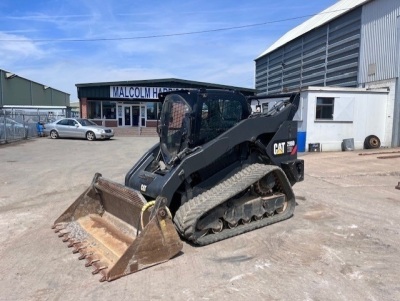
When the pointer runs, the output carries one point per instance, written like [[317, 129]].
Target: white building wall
[[301, 114], [363, 113], [389, 85]]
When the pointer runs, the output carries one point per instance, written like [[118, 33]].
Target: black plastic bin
[[314, 147]]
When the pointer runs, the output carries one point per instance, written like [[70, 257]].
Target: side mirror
[[77, 125]]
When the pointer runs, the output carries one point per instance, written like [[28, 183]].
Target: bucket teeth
[[85, 256], [96, 271], [65, 239], [72, 242], [77, 250], [58, 230], [62, 233], [88, 264], [77, 243]]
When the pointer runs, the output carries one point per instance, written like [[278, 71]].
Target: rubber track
[[189, 213]]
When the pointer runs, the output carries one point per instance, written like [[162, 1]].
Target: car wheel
[[90, 136], [372, 142], [53, 134]]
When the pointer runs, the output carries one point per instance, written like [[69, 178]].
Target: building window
[[101, 110], [109, 111], [324, 108], [152, 110], [94, 109], [265, 106]]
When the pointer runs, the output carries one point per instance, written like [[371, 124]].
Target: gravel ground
[[342, 243]]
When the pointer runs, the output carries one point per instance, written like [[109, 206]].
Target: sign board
[[129, 92]]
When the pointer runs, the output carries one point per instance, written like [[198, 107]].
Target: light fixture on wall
[[45, 87], [10, 75]]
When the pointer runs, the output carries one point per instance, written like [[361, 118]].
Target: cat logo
[[279, 148]]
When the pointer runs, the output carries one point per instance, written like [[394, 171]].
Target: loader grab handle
[[144, 209]]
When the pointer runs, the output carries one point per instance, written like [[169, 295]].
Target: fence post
[[5, 128], [25, 129]]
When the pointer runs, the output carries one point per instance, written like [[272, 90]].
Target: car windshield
[[86, 122]]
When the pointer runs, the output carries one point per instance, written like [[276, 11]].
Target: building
[[133, 103], [19, 95], [340, 115], [75, 109], [352, 44]]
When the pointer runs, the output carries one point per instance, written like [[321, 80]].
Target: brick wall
[[83, 106]]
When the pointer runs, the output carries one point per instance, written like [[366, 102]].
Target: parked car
[[77, 128], [14, 129], [10, 123]]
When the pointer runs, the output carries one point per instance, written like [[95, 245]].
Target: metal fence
[[19, 126]]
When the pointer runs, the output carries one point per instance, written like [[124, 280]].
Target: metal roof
[[101, 90], [339, 8], [29, 80], [344, 89], [165, 81]]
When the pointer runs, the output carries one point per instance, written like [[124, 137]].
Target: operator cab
[[191, 118]]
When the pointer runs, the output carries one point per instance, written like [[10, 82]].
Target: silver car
[[77, 128]]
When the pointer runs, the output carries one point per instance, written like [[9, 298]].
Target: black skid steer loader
[[218, 171]]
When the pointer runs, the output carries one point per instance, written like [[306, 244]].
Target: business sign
[[138, 92]]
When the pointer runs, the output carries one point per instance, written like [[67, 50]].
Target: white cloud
[[16, 47], [64, 77]]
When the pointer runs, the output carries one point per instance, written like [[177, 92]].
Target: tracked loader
[[218, 171]]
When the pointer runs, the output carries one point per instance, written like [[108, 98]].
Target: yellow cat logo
[[279, 148]]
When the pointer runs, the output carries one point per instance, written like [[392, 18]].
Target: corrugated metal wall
[[325, 56], [17, 91], [379, 53]]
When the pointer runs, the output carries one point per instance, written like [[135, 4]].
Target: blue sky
[[222, 57]]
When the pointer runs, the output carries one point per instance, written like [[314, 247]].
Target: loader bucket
[[113, 229]]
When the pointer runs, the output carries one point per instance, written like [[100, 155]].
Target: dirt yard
[[343, 242]]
